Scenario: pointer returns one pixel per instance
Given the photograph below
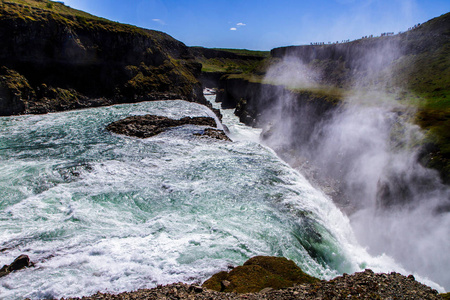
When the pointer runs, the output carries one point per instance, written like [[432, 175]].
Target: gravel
[[362, 285]]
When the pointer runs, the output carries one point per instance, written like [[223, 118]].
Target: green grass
[[246, 52], [228, 65], [34, 10], [426, 78], [54, 7], [245, 61], [323, 92], [247, 76]]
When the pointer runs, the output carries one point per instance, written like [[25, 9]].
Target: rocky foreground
[[264, 277], [363, 285]]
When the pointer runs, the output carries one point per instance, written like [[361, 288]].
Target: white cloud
[[159, 21], [238, 25]]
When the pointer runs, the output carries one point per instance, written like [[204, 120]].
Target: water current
[[98, 211]]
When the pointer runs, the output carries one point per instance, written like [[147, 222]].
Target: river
[[98, 211]]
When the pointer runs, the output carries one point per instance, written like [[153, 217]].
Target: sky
[[264, 24]]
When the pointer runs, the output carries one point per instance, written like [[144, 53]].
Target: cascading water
[[368, 151], [101, 212]]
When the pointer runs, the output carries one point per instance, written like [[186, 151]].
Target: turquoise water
[[102, 212]]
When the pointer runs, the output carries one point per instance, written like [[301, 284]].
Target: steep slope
[[56, 58]]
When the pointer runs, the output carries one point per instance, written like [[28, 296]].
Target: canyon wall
[[54, 58]]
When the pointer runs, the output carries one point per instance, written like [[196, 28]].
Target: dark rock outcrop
[[214, 133], [258, 104], [21, 262], [151, 125], [58, 58], [211, 79]]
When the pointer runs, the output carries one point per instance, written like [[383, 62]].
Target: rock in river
[[21, 262], [150, 125]]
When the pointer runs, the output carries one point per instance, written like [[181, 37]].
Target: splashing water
[[102, 212], [370, 148]]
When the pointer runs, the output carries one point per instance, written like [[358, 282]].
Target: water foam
[[102, 212]]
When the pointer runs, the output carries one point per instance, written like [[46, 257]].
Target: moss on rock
[[258, 273]]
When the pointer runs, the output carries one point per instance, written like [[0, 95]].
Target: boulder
[[259, 274], [21, 262], [214, 133]]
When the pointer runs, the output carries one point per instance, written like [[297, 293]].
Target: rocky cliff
[[290, 119], [257, 104], [411, 68], [55, 58]]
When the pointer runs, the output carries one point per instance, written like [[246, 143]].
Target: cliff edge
[[55, 58], [409, 69]]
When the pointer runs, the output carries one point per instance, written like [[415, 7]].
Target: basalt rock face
[[290, 121], [258, 104], [211, 79], [67, 60]]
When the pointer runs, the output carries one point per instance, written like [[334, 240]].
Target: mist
[[365, 155]]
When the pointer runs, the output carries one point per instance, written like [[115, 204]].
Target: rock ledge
[[151, 125]]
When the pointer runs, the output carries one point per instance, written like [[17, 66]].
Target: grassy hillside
[[66, 58], [425, 75], [245, 52], [231, 61], [51, 6], [33, 10]]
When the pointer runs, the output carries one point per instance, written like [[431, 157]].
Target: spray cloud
[[364, 153]]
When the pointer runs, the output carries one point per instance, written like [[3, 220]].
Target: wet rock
[[21, 262], [151, 125], [214, 133], [195, 288]]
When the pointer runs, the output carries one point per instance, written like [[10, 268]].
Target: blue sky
[[264, 24]]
